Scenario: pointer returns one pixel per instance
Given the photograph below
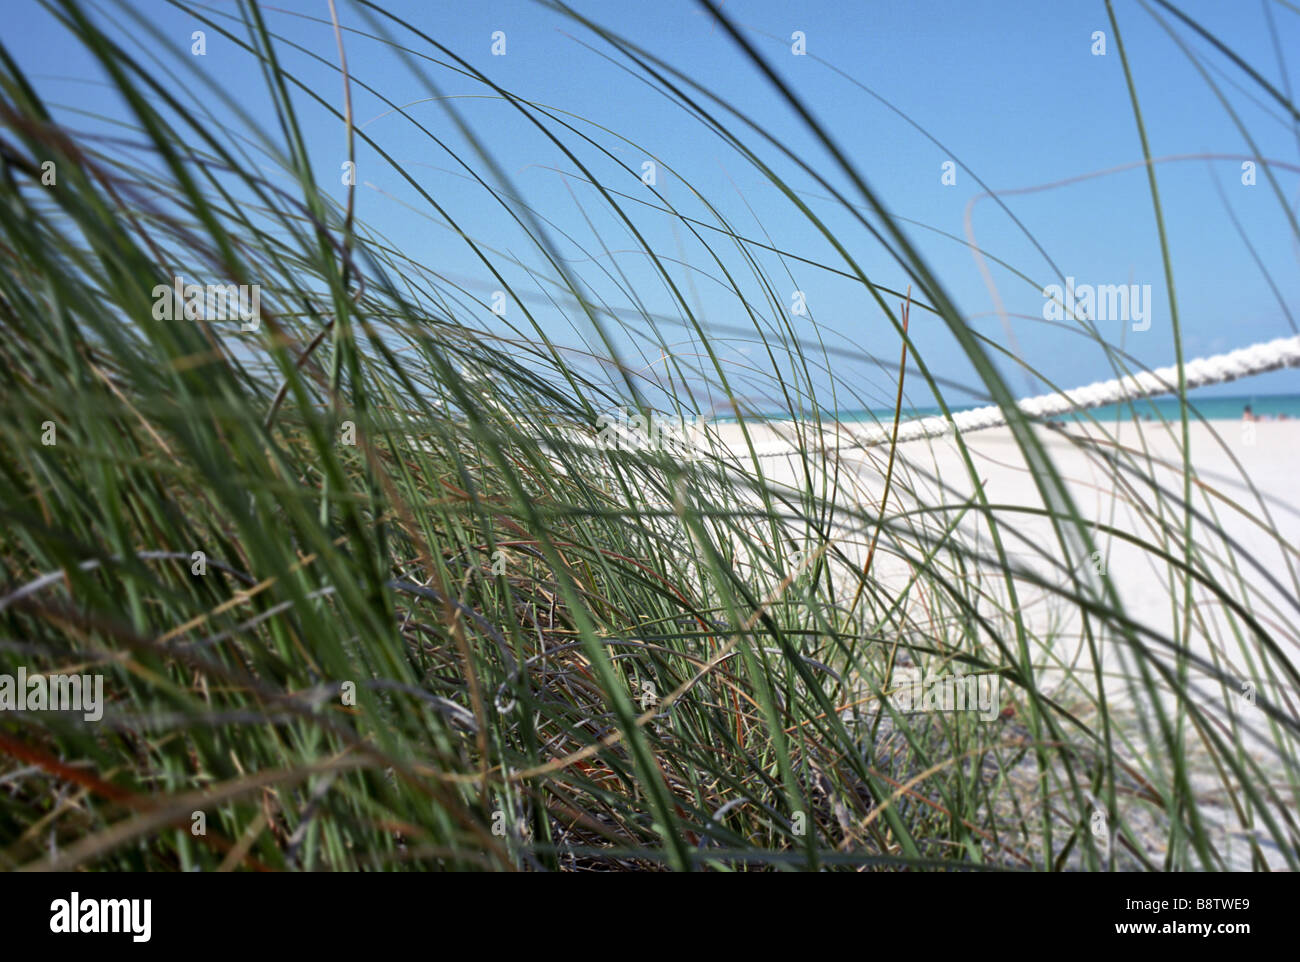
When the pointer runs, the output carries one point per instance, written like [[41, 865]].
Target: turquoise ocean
[[1229, 408]]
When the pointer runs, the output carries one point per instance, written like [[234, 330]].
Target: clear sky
[[1012, 90]]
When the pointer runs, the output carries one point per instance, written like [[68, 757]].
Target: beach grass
[[368, 591]]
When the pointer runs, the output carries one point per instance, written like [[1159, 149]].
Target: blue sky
[[1011, 89]]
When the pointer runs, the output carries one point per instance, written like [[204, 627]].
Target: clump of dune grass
[[367, 593]]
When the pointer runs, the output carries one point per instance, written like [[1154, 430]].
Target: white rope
[[1256, 359]]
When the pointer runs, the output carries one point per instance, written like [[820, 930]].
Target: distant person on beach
[[1249, 415]]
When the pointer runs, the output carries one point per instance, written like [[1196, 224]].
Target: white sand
[[1269, 456], [934, 473]]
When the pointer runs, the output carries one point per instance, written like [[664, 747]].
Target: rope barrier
[[1218, 369]]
